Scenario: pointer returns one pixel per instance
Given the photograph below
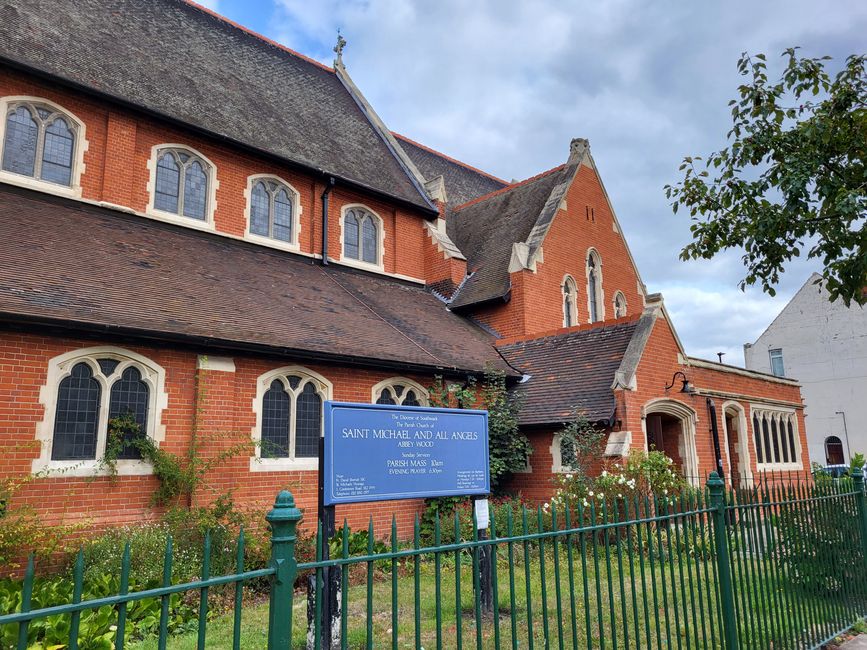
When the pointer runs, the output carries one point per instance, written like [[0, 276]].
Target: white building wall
[[824, 347]]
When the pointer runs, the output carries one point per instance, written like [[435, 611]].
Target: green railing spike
[[120, 637], [165, 600], [395, 596], [203, 592], [369, 604], [438, 595], [239, 592], [77, 587], [26, 596], [416, 578], [344, 588], [459, 618]]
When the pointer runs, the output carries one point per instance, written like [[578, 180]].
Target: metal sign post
[[374, 452]]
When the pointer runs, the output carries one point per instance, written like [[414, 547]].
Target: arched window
[[562, 454], [834, 451], [776, 438], [619, 305], [400, 391], [361, 236], [85, 391], [289, 410], [183, 183], [595, 306], [273, 209], [40, 141], [570, 296]]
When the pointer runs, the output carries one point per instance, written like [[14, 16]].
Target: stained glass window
[[168, 192], [271, 210], [400, 392], [350, 236], [308, 426], [276, 412], [130, 395], [19, 145], [195, 190], [361, 236], [368, 238], [57, 153], [292, 417], [39, 142], [77, 415], [182, 184]]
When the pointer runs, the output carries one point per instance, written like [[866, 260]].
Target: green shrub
[[97, 627]]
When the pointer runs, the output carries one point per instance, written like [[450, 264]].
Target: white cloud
[[213, 5], [504, 85]]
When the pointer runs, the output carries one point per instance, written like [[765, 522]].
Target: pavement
[[858, 643]]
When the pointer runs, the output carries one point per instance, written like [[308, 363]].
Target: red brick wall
[[116, 171], [659, 363], [224, 417], [536, 303]]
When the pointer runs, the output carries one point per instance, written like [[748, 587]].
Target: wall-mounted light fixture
[[687, 388]]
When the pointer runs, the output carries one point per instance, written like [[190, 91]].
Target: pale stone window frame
[[380, 239], [80, 146], [619, 295], [325, 390], [295, 197], [778, 414], [570, 319], [592, 253], [60, 367], [422, 394], [210, 199]]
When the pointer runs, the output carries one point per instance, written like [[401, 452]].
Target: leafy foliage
[[97, 627], [178, 476], [508, 447], [793, 177]]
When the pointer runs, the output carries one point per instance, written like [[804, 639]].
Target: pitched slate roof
[[188, 64], [463, 182], [485, 230], [569, 370], [77, 264]]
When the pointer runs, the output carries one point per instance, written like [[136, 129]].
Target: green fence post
[[858, 479], [283, 518], [716, 487]]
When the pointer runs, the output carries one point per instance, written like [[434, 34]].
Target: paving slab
[[858, 643]]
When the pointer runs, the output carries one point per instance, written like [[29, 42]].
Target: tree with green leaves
[[792, 178]]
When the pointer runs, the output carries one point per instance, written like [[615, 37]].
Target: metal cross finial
[[338, 49]]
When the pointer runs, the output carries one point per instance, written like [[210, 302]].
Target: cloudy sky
[[504, 85]]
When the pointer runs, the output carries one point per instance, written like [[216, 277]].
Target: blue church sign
[[377, 452]]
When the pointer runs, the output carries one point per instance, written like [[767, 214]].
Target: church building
[[217, 234]]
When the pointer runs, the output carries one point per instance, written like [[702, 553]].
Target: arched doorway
[[669, 427], [737, 441], [834, 451]]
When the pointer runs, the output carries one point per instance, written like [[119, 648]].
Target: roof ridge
[[565, 331], [448, 158], [255, 34], [511, 186]]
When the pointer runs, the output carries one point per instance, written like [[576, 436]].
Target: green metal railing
[[780, 565]]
